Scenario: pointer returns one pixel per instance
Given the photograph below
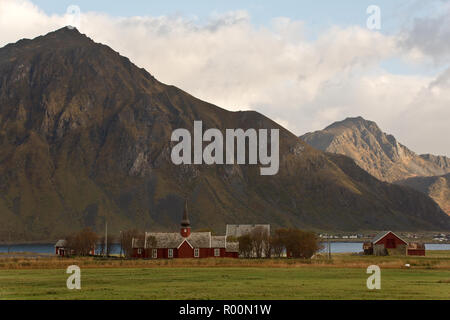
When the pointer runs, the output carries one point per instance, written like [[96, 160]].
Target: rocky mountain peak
[[375, 151]]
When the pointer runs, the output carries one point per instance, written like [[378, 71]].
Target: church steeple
[[185, 223]]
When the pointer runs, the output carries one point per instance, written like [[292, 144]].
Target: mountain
[[85, 138], [376, 152], [438, 188]]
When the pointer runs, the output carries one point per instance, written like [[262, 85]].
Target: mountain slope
[[438, 188], [85, 138], [376, 152]]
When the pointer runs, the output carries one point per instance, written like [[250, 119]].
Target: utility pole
[[106, 239], [121, 243], [329, 247]]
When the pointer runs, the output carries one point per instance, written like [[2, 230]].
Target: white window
[[197, 253], [170, 253], [139, 251], [216, 252], [154, 253]]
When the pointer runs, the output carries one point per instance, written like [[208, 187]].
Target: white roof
[[238, 230], [61, 243]]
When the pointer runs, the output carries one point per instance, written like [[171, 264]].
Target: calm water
[[344, 247], [42, 248], [336, 247]]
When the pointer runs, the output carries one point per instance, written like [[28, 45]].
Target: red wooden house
[[184, 244], [385, 243]]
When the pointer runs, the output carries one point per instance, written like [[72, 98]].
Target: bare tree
[[151, 242], [267, 245], [82, 243], [127, 240], [258, 236], [278, 243]]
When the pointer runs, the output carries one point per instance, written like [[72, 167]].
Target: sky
[[305, 64]]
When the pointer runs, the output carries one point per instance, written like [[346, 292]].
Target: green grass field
[[225, 284], [29, 277]]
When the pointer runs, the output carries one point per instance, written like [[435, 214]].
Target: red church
[[184, 244]]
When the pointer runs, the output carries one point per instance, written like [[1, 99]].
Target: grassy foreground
[[344, 278]]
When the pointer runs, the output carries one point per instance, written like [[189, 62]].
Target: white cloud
[[428, 35], [304, 84]]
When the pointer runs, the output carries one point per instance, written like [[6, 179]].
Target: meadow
[[344, 277]]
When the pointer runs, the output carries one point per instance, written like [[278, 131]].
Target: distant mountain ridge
[[376, 152], [438, 188], [385, 158], [85, 138]]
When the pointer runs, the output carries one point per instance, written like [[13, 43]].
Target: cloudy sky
[[302, 64]]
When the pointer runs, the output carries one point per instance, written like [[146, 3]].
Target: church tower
[[185, 223]]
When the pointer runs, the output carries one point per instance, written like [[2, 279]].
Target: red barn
[[184, 244], [385, 243]]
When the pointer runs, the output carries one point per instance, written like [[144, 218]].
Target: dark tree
[[258, 238], [245, 246]]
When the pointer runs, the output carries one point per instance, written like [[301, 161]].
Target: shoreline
[[50, 243]]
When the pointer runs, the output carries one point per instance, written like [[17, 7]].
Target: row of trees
[[84, 242], [293, 243]]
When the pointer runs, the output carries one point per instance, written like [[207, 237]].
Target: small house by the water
[[386, 243], [61, 248]]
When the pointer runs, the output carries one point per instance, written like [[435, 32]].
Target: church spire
[[185, 223]]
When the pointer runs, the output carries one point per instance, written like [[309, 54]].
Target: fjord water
[[336, 247]]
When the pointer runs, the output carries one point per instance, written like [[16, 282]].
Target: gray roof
[[238, 230], [174, 239], [218, 242], [196, 240], [137, 243], [200, 239], [61, 243], [382, 234], [232, 246]]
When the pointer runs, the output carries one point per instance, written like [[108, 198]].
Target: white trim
[[185, 240], [145, 240]]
